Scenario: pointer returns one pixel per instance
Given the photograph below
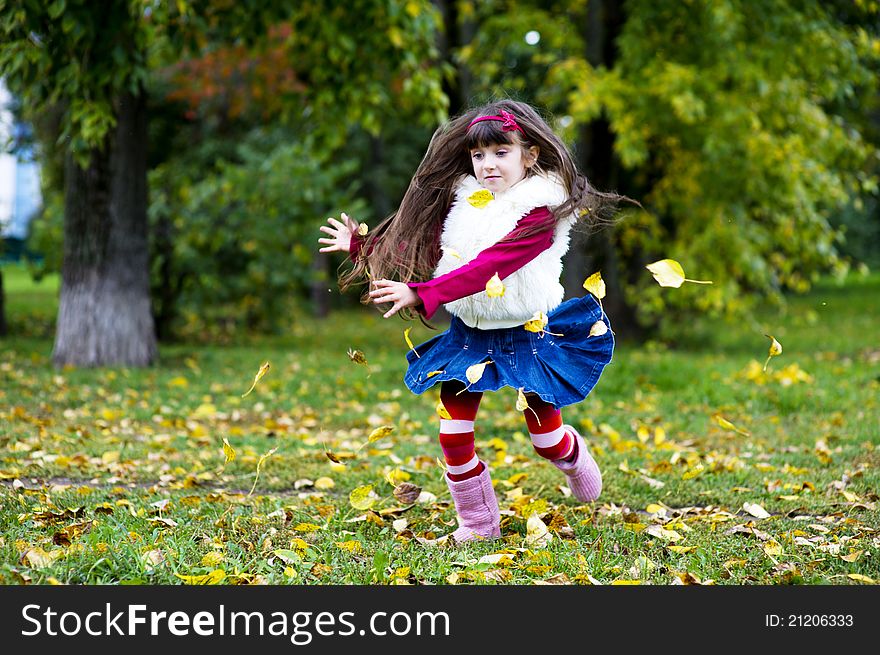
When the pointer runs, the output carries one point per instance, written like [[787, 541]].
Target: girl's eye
[[501, 153], [476, 155]]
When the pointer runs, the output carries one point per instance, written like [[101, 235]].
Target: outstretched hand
[[340, 234], [397, 293]]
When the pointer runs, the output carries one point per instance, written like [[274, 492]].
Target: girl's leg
[[549, 437], [565, 447], [466, 476], [457, 433]]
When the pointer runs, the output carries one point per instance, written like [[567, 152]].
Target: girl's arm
[[503, 258]]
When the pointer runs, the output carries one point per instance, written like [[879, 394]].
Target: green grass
[[121, 474]]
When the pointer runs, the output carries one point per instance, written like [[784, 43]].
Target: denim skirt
[[562, 368]]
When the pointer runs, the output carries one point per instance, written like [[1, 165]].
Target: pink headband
[[507, 120]]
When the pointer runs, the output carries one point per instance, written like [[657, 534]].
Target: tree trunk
[[595, 156], [3, 328], [104, 316]]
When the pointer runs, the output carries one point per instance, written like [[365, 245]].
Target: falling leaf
[[263, 458], [363, 228], [727, 425], [409, 342], [598, 329], [362, 497], [494, 287], [475, 372], [357, 357], [595, 285], [775, 349], [228, 451], [407, 493], [263, 369], [669, 273], [756, 510], [521, 403], [333, 458], [537, 534], [537, 322], [380, 432], [433, 373], [452, 253], [481, 198], [214, 577], [442, 412]]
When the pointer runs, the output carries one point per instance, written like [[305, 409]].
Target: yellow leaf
[[537, 322], [756, 510], [452, 253], [441, 411], [212, 559], [521, 403], [680, 549], [663, 533], [475, 372], [852, 557], [362, 497], [352, 546], [178, 382], [481, 198], [858, 577], [626, 582], [773, 547], [357, 357], [380, 432], [595, 285], [494, 287], [775, 349], [263, 458], [228, 451], [598, 329], [727, 425], [537, 534], [214, 577], [263, 369], [433, 373], [409, 341], [363, 228], [654, 508], [38, 558], [324, 483], [692, 472], [669, 273]]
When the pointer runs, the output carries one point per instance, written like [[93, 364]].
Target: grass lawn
[[715, 471]]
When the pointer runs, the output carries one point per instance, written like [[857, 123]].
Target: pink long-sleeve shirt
[[504, 257]]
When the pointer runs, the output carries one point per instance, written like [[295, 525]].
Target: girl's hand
[[394, 292], [340, 234]]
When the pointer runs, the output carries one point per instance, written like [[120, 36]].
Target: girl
[[496, 194]]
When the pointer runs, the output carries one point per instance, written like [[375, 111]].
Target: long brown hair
[[405, 246]]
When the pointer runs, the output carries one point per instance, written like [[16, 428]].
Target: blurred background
[[185, 153]]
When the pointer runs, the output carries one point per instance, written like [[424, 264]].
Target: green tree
[[738, 125]]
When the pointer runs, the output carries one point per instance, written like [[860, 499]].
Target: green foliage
[[242, 237], [740, 127]]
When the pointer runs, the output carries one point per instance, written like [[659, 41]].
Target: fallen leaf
[[362, 497], [214, 577], [407, 493], [858, 577], [494, 287], [773, 547], [756, 510], [537, 534], [669, 273], [263, 369], [324, 483], [852, 557]]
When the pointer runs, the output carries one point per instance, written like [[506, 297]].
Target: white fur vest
[[468, 230]]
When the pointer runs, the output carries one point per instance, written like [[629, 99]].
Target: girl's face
[[498, 167]]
